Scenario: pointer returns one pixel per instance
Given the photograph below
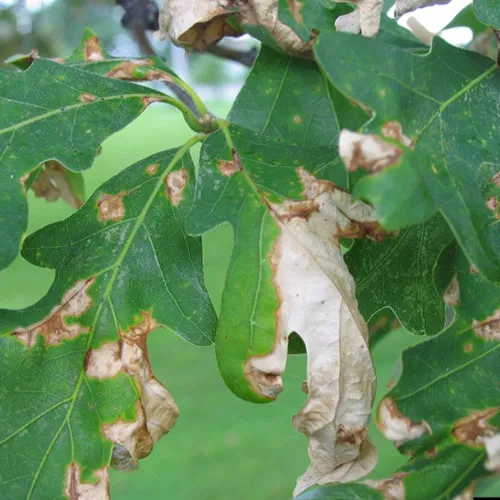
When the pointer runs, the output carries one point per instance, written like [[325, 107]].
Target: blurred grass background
[[221, 448]]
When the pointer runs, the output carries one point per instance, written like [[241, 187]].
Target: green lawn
[[221, 448]]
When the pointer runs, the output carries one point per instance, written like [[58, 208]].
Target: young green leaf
[[77, 390], [448, 115], [54, 112]]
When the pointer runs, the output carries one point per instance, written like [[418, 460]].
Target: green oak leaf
[[239, 171], [290, 99], [446, 101], [124, 266], [401, 270], [467, 17], [488, 12], [443, 384], [54, 112]]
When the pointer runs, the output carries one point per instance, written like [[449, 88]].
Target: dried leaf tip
[[92, 51]]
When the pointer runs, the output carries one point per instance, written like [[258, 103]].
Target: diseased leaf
[[449, 113], [488, 12], [76, 388], [53, 181], [290, 99], [54, 112], [442, 410], [401, 271], [287, 275]]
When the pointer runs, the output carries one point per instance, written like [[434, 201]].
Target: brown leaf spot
[[295, 6], [369, 152], [126, 71], [431, 452], [467, 494], [52, 183], [492, 204], [473, 429], [152, 169], [54, 327], [396, 426], [228, 168], [111, 206], [87, 98], [451, 295], [496, 179], [354, 436], [291, 209], [394, 130], [468, 348], [92, 50], [104, 362], [488, 329], [74, 489], [313, 187], [174, 185], [297, 120], [392, 488], [473, 269], [146, 101]]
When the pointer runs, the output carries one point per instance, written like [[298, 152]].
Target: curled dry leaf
[[404, 6], [53, 183], [396, 427], [196, 24], [317, 301], [365, 19], [156, 412]]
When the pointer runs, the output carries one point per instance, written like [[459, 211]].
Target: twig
[[246, 58]]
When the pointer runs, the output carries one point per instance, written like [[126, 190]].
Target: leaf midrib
[[64, 109]]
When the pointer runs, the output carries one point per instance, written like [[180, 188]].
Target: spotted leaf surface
[[446, 103], [287, 275], [77, 391], [54, 112]]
